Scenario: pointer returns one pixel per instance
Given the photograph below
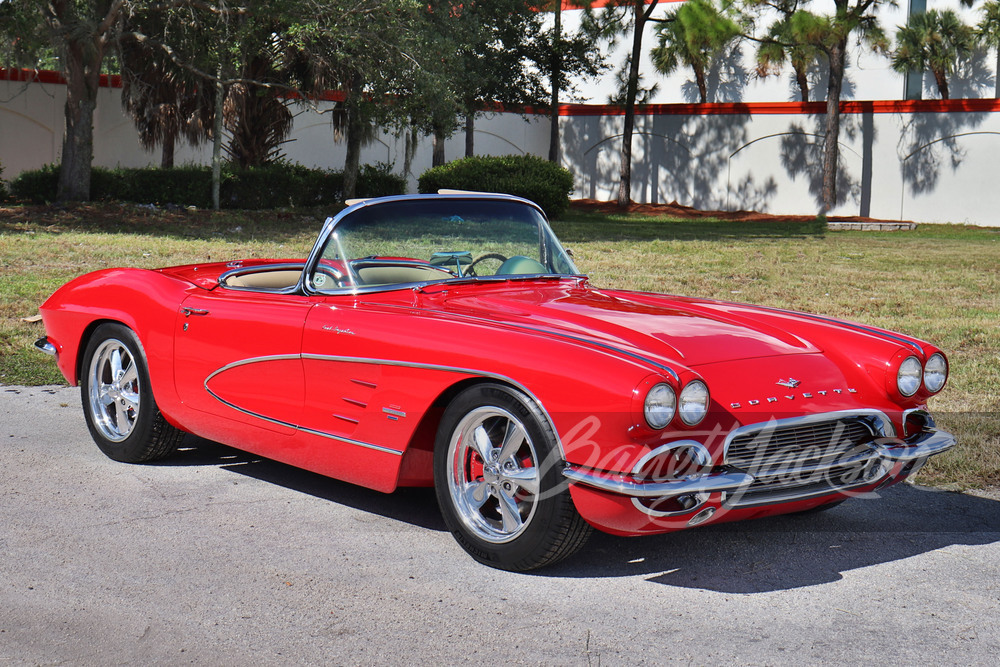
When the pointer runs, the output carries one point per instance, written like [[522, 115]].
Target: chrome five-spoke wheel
[[493, 474], [118, 402], [114, 391], [498, 476]]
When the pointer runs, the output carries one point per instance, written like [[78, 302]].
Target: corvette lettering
[[791, 397]]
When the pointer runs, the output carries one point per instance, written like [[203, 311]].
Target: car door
[[237, 364], [366, 380]]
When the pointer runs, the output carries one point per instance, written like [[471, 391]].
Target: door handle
[[188, 312]]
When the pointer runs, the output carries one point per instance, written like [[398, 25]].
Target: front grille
[[803, 458], [798, 445]]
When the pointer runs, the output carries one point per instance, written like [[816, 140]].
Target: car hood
[[690, 331]]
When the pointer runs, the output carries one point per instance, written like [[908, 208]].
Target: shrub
[[3, 186], [38, 185], [279, 185], [379, 181], [271, 186], [528, 176]]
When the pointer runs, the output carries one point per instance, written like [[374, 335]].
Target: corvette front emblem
[[791, 383]]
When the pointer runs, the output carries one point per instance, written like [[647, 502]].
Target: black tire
[[508, 507], [118, 399]]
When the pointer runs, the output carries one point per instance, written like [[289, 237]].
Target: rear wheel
[[118, 401], [499, 481]]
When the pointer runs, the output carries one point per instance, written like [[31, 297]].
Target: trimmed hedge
[[272, 186], [543, 182]]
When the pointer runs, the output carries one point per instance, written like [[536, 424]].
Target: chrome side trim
[[252, 360], [303, 429], [350, 420], [728, 481], [445, 369], [43, 345], [379, 362]]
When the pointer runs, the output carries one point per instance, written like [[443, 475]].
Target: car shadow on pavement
[[775, 553], [416, 506], [792, 551]]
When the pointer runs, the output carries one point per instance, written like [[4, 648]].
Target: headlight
[[694, 402], [908, 377], [935, 373], [660, 404]]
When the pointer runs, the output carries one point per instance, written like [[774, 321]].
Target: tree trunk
[[167, 155], [942, 83], [83, 76], [352, 162], [555, 78], [831, 148], [437, 156], [470, 134], [803, 82], [409, 150], [699, 77], [996, 82], [220, 97], [631, 90]]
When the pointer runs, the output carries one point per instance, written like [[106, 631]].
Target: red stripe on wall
[[977, 105], [600, 4], [789, 108], [48, 76]]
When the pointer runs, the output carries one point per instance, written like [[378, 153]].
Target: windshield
[[417, 240]]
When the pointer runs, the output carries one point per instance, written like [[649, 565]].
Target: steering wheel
[[470, 271]]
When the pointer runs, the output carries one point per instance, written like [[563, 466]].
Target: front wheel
[[498, 477], [118, 402]]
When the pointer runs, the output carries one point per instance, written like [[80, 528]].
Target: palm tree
[[780, 47], [851, 21], [257, 118], [163, 103], [934, 41], [641, 11], [693, 36], [989, 34]]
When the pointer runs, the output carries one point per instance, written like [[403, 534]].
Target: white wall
[[869, 75], [924, 165]]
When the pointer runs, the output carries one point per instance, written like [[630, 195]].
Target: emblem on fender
[[791, 383]]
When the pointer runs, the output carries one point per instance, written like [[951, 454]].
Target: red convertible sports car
[[449, 340]]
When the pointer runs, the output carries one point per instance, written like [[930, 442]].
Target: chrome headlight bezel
[[694, 401], [659, 406], [909, 376], [935, 373]]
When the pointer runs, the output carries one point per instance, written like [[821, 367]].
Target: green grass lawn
[[940, 283]]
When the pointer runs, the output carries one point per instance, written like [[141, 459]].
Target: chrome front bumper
[[884, 453], [43, 345]]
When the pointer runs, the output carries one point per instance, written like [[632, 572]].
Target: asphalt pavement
[[217, 557]]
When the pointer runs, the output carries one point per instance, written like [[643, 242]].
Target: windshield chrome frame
[[305, 285]]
